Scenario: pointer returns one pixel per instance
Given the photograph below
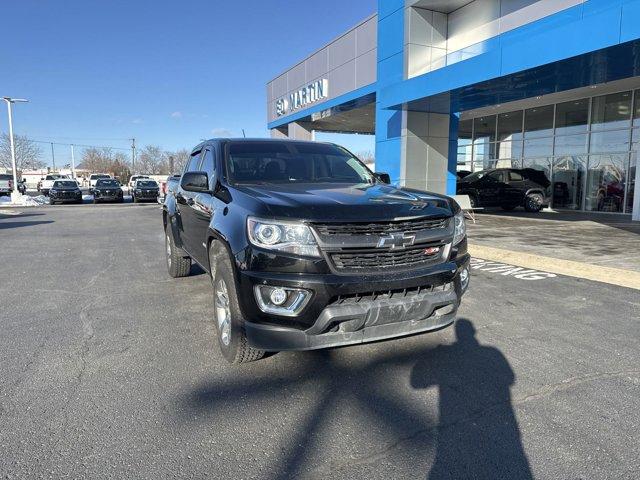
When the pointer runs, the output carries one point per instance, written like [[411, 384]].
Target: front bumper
[[347, 310], [147, 196], [108, 197], [65, 198]]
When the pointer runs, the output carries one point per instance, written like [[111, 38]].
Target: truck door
[[184, 200], [202, 209], [492, 186], [514, 189]]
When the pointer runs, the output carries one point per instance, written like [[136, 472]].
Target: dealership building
[[458, 85]]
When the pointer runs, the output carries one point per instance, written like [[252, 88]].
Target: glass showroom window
[[484, 146], [509, 146], [631, 183], [568, 178], [465, 145], [610, 112], [606, 182]]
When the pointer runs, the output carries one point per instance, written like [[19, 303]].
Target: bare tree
[[368, 158], [152, 160], [180, 159], [28, 153], [120, 167], [97, 159]]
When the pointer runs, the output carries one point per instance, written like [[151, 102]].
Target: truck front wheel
[[228, 319]]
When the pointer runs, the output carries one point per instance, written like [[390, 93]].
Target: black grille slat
[[381, 228], [380, 260]]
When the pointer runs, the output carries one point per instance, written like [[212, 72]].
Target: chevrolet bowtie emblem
[[395, 241]]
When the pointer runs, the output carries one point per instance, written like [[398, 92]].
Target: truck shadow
[[469, 431], [8, 225]]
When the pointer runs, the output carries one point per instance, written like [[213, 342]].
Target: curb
[[569, 268]]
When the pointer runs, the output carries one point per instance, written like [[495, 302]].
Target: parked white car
[[94, 177], [6, 184], [47, 182]]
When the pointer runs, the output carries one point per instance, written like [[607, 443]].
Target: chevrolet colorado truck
[[307, 248]]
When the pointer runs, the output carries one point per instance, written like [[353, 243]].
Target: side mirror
[[384, 177], [195, 182]]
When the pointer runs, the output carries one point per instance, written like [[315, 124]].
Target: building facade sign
[[303, 97]]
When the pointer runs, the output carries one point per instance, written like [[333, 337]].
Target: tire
[[508, 208], [533, 202], [227, 316], [121, 200], [177, 265]]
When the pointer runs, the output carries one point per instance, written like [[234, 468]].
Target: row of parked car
[[103, 189]]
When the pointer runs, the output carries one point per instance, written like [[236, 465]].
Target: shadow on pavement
[[7, 225], [476, 436]]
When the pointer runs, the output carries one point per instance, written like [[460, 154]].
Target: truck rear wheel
[[178, 265], [228, 319]]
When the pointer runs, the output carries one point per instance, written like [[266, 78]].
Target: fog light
[[464, 278], [278, 296], [286, 301]]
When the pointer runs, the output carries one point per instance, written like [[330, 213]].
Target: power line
[[77, 145]]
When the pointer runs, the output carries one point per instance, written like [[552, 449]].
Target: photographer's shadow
[[477, 435]]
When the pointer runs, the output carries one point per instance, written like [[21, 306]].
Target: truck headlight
[[290, 237], [461, 228]]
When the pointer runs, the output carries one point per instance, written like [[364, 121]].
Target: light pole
[[15, 194]]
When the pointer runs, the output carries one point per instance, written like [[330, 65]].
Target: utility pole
[[171, 164], [53, 157], [73, 163], [133, 155], [15, 194]]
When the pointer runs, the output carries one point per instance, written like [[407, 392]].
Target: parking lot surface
[[110, 370]]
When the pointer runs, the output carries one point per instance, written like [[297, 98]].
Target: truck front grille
[[381, 228], [376, 260]]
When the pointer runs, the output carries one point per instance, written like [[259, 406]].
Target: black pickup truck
[[307, 248]]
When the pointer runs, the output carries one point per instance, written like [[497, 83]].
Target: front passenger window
[[192, 166]]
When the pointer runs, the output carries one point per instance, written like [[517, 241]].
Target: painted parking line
[[521, 273], [557, 266]]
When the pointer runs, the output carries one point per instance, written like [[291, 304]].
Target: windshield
[[6, 177], [54, 177], [94, 177], [64, 183], [146, 184], [293, 162], [107, 183]]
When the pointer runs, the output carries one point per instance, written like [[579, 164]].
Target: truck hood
[[345, 202]]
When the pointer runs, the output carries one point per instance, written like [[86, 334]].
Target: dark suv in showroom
[[508, 188], [307, 248]]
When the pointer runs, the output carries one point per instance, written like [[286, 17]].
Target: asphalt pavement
[[109, 369]]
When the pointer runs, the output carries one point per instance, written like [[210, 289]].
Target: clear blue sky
[[165, 72]]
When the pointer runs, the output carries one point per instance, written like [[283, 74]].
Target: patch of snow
[[87, 198], [25, 201]]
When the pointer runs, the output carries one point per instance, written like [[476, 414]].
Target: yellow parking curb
[[613, 276]]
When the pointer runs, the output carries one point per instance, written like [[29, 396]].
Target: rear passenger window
[[515, 177]]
